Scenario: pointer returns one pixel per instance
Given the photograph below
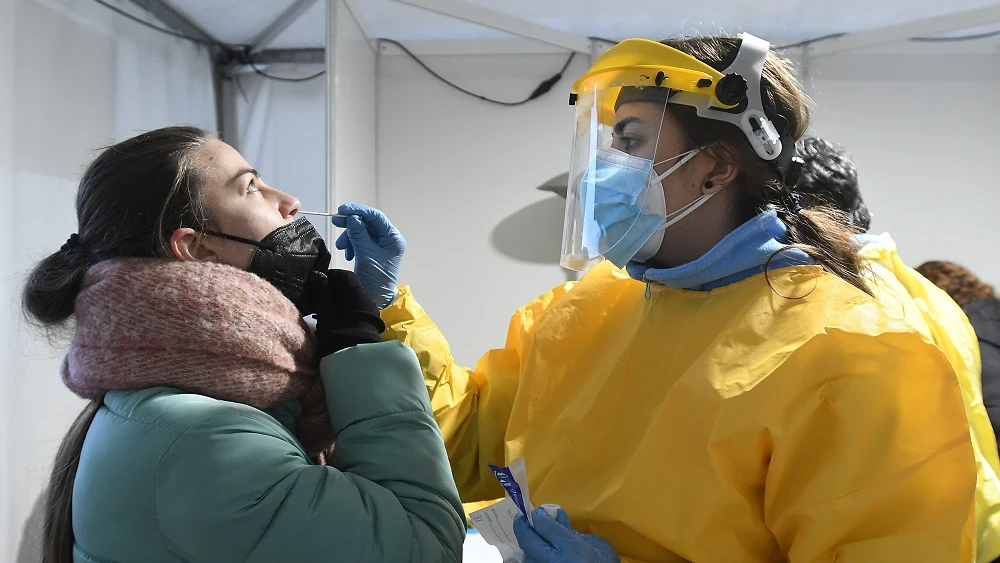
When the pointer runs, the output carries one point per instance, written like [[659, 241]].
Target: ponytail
[[51, 290], [57, 536], [824, 235]]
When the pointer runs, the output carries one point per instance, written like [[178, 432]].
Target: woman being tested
[[720, 385], [187, 284]]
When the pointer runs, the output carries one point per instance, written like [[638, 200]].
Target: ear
[[188, 245], [723, 171]]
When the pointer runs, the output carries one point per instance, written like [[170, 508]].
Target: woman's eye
[[628, 143], [252, 187]]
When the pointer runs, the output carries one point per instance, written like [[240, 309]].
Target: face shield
[[615, 202]]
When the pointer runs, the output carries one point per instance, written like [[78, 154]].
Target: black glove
[[346, 314]]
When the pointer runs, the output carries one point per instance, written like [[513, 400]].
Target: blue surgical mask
[[629, 209]]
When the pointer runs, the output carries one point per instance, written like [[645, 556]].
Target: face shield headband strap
[[770, 139]]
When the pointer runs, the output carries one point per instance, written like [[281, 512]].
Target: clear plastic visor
[[611, 177]]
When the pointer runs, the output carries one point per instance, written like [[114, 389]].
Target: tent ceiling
[[239, 21]]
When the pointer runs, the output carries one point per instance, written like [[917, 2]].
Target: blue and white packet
[[495, 523], [514, 480]]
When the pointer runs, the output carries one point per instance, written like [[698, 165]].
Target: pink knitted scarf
[[200, 327]]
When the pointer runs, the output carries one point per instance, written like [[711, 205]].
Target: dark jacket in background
[[984, 315]]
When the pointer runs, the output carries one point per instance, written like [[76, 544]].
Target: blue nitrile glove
[[375, 246], [553, 540]]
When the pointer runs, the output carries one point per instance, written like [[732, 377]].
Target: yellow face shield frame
[[732, 95], [649, 64]]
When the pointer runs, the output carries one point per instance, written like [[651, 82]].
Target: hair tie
[[793, 202], [794, 172], [72, 243]]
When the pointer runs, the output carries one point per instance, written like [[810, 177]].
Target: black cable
[[257, 70], [231, 50], [542, 88], [972, 37], [811, 41], [604, 39]]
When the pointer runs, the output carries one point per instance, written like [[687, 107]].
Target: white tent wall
[[453, 168], [8, 329], [76, 77], [923, 147], [281, 128], [281, 132], [456, 174]]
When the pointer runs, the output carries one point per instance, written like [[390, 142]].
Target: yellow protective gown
[[734, 425], [930, 310]]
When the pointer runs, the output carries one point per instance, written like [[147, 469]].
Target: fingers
[[353, 209], [557, 512], [533, 546], [356, 226], [376, 221], [344, 243], [598, 543], [550, 529]]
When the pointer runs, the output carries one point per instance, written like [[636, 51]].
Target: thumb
[[355, 226], [534, 547], [550, 529]]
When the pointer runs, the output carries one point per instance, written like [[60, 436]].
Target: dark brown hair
[[829, 176], [962, 285], [821, 232], [131, 198]]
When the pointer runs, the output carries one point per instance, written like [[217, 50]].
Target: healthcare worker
[[210, 399], [720, 385], [829, 175]]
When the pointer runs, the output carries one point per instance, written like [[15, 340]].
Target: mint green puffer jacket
[[167, 476]]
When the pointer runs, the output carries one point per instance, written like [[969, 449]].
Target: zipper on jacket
[[649, 292]]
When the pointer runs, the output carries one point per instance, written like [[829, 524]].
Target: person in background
[[720, 385], [979, 301], [210, 399], [829, 175]]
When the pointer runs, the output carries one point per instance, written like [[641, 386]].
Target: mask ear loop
[[684, 158], [235, 238], [688, 209], [259, 244], [673, 217]]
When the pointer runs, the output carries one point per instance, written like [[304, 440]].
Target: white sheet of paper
[[495, 524]]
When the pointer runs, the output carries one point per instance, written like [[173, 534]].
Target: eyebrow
[[621, 125], [244, 172]]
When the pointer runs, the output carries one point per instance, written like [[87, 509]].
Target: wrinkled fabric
[[748, 424], [172, 477], [909, 295], [742, 253], [203, 327]]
